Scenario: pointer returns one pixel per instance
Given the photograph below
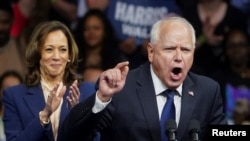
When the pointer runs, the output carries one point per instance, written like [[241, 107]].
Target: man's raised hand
[[112, 81]]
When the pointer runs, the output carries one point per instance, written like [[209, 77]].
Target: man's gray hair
[[155, 31]]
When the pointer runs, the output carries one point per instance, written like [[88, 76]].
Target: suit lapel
[[187, 104], [36, 102], [147, 98], [35, 99]]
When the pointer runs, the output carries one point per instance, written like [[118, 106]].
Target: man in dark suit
[[128, 104]]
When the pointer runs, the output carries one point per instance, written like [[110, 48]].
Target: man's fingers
[[118, 73], [116, 77], [121, 65], [124, 72], [110, 76]]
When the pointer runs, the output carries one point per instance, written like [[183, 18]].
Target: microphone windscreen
[[171, 124], [194, 125]]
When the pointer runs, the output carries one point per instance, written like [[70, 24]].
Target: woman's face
[[10, 81], [93, 31], [237, 49], [54, 54]]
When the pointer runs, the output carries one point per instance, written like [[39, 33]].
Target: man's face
[[172, 55], [5, 26]]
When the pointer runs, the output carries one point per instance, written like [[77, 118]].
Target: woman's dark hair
[[6, 74], [232, 31], [33, 52], [225, 44], [9, 73], [109, 43], [6, 6]]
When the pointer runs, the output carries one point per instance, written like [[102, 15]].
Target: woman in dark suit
[[34, 110]]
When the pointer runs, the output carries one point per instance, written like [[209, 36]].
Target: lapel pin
[[191, 93]]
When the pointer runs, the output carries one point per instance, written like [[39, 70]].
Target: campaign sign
[[134, 18]]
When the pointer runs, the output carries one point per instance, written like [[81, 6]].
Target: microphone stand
[[194, 136], [194, 130], [172, 135]]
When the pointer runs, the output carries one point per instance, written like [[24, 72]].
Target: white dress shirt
[[161, 99]]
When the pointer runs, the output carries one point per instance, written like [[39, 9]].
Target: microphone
[[171, 130], [194, 130]]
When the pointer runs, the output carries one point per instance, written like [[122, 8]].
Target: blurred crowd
[[111, 31]]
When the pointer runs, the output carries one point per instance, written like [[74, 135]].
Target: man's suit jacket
[[132, 115], [22, 105]]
